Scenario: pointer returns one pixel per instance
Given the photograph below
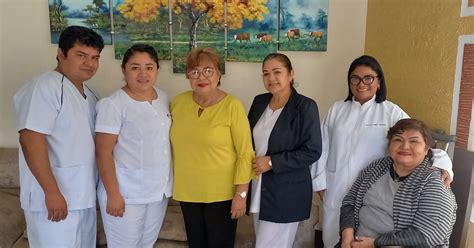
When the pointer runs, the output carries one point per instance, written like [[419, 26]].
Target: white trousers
[[139, 226], [331, 227], [78, 230], [274, 235]]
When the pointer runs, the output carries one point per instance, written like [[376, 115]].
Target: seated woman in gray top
[[399, 200]]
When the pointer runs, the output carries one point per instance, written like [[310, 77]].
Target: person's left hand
[[260, 165], [238, 207], [363, 242], [446, 178]]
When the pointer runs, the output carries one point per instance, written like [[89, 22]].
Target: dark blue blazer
[[294, 144]]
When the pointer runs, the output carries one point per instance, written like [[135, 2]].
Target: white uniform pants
[[78, 230], [331, 227], [271, 235], [139, 226]]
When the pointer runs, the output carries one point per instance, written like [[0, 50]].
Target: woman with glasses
[[133, 153], [212, 154], [287, 139], [354, 134]]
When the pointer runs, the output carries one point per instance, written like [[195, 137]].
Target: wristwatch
[[270, 163], [242, 194]]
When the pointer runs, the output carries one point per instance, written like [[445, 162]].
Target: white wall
[[26, 51]]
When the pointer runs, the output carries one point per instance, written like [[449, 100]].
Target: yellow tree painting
[[195, 22], [237, 11]]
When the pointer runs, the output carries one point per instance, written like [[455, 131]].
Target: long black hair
[[369, 61]]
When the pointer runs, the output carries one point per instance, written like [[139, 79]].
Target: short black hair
[[369, 61], [140, 48], [78, 34]]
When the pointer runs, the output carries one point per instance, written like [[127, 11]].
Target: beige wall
[[25, 51], [416, 42]]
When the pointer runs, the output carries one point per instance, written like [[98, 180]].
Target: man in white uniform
[[58, 175]]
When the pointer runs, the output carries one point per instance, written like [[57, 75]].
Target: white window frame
[[466, 10], [462, 41]]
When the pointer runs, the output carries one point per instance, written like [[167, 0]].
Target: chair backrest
[[442, 140], [463, 189]]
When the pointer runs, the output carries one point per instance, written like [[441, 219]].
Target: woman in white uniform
[[287, 140], [133, 154], [354, 134]]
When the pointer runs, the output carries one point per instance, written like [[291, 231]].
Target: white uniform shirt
[[261, 135], [50, 104], [142, 154]]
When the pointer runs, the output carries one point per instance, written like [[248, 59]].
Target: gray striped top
[[424, 211]]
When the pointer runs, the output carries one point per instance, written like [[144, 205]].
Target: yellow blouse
[[212, 152]]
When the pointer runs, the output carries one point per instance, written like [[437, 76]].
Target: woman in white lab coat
[[354, 134]]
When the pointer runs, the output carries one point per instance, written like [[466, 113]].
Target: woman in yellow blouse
[[212, 153]]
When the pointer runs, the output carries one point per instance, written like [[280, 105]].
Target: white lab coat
[[353, 136]]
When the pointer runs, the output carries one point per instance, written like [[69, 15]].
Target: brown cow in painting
[[242, 36], [260, 35], [296, 31], [290, 35], [317, 35], [266, 38]]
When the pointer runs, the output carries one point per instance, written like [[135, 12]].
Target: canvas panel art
[[94, 14], [196, 24], [303, 25], [252, 30], [142, 21], [239, 30]]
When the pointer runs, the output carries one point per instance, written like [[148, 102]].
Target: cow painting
[[260, 35], [317, 35], [242, 36], [296, 31], [267, 38], [290, 35]]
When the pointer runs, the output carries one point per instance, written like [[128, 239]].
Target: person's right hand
[[115, 205], [321, 194], [56, 205], [347, 237], [446, 178]]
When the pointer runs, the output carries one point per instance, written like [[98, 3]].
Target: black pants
[[209, 225]]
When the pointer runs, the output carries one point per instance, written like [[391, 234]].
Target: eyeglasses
[[206, 72], [366, 80]]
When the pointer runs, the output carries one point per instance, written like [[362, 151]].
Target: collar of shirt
[[395, 176]]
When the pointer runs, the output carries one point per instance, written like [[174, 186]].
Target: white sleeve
[[398, 114], [37, 106], [109, 117], [318, 168], [441, 160]]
